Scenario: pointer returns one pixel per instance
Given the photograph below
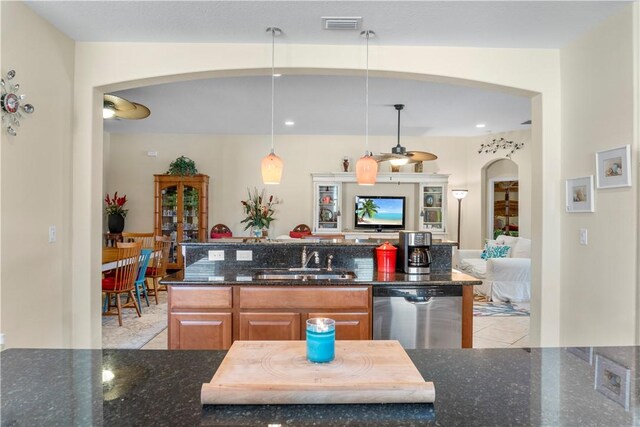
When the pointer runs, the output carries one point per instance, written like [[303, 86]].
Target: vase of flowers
[[259, 210], [115, 212]]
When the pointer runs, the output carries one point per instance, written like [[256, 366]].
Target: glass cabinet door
[[170, 218], [432, 215], [190, 213], [327, 217]]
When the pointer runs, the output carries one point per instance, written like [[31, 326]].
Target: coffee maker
[[414, 253]]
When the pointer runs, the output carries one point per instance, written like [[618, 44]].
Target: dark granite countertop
[[364, 277], [548, 386]]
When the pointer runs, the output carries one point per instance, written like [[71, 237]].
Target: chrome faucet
[[307, 257]]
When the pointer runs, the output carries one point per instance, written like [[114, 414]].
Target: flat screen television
[[380, 212]]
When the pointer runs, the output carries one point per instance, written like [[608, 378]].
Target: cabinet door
[[349, 326], [169, 217], [199, 331], [269, 326], [327, 209], [433, 202], [190, 213]]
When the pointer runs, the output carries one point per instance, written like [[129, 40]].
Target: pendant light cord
[[366, 137], [273, 55]]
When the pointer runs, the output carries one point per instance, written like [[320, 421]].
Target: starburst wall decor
[[10, 103], [500, 144]]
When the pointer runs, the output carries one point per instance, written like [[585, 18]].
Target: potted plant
[[182, 166], [259, 211], [115, 212]]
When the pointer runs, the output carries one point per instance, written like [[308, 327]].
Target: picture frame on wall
[[613, 380], [579, 194], [613, 167]]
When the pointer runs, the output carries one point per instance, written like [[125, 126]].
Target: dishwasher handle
[[418, 300]]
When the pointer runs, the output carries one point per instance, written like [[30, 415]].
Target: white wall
[[233, 164], [599, 281], [36, 184]]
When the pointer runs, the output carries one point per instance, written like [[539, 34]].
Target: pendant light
[[272, 164], [366, 166]]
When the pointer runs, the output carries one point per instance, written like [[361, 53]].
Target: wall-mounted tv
[[380, 212]]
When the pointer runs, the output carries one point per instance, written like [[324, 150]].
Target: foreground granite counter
[[549, 386]]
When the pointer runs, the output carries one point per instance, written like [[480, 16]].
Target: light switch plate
[[583, 236], [216, 255], [244, 255]]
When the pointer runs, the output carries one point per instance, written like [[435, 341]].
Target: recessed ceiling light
[[480, 125], [289, 123]]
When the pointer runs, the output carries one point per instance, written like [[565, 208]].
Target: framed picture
[[580, 194], [613, 167], [584, 353], [613, 380]]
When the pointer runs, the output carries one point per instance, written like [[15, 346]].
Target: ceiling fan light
[[366, 170], [108, 113], [399, 162], [272, 166]]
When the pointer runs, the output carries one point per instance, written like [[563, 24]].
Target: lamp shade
[[399, 162], [366, 170], [459, 194], [272, 169]]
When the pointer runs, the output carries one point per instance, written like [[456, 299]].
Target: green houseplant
[[182, 166]]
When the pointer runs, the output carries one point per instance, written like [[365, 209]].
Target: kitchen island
[[266, 291], [543, 386]]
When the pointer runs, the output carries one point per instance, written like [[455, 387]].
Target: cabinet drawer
[[304, 298], [199, 298]]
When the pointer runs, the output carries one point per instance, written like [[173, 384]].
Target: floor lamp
[[459, 194]]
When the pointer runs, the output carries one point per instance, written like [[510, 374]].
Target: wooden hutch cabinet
[[181, 211]]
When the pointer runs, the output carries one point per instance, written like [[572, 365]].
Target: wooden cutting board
[[278, 372]]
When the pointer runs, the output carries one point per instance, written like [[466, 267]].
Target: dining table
[[110, 258]]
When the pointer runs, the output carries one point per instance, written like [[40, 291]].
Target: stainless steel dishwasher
[[418, 317]]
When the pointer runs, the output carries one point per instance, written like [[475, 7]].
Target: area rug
[[502, 309], [135, 331]]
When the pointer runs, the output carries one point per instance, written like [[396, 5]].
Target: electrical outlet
[[152, 153], [583, 236], [216, 255], [52, 234], [244, 255]]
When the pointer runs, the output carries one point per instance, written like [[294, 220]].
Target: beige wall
[[233, 165], [599, 112], [110, 66], [36, 184]]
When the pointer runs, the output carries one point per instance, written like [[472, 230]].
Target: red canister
[[386, 254]]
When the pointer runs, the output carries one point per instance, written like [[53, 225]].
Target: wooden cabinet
[[212, 317], [269, 326], [200, 317], [181, 211]]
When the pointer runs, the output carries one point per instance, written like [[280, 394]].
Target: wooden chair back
[[126, 271], [147, 239], [161, 259]]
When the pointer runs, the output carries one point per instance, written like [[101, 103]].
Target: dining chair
[[158, 268], [122, 282], [141, 287], [147, 239]]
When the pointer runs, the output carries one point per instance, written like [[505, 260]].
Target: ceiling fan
[[115, 106], [399, 155]]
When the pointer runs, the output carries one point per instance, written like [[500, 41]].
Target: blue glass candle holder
[[321, 340]]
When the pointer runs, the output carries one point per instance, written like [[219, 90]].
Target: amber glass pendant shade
[[366, 170], [272, 166]]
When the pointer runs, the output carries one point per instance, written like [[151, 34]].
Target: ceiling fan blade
[[420, 156], [125, 109], [139, 112]]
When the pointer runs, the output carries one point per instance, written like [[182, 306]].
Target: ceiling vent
[[341, 23]]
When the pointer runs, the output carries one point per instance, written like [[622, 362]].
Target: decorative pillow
[[495, 251]]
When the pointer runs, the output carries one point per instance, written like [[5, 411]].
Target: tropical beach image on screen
[[380, 211]]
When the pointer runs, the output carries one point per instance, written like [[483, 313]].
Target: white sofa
[[503, 279]]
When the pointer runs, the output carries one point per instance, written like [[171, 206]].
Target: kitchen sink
[[304, 274]]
